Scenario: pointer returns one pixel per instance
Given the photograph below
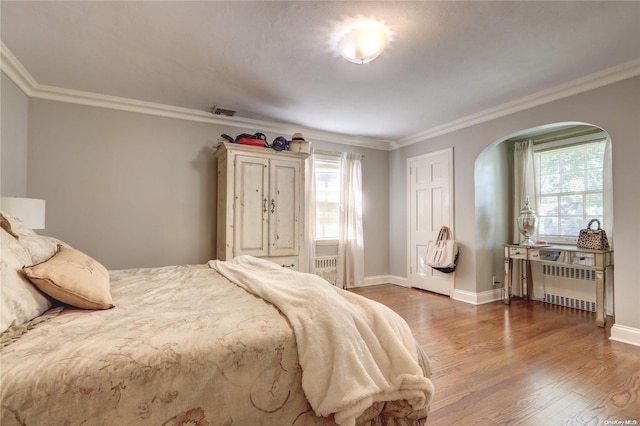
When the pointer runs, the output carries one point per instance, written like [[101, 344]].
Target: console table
[[597, 260]]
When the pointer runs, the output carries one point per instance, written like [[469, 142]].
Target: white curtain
[[310, 215], [607, 225], [607, 193], [350, 243], [524, 185]]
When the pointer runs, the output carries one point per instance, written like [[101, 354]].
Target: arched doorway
[[494, 189]]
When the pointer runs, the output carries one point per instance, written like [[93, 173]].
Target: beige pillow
[[74, 278]]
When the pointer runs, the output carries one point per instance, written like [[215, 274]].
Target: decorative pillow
[[74, 278], [14, 226], [20, 301], [39, 247]]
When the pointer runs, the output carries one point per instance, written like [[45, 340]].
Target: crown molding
[[592, 81], [10, 65], [246, 124]]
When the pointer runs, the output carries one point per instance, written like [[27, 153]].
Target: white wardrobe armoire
[[261, 204]]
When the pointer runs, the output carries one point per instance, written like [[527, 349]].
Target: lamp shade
[[30, 211]]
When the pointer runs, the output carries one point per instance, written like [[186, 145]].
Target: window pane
[[550, 164], [571, 205], [570, 185], [594, 157], [549, 226], [595, 180], [570, 226], [573, 182], [593, 205], [573, 159], [549, 206], [550, 184], [327, 198]]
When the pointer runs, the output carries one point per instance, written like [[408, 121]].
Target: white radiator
[[568, 286], [326, 267]]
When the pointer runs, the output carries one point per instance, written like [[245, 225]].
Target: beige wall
[[136, 190], [131, 190], [492, 210], [614, 108], [13, 137]]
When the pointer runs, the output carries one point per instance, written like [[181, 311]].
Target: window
[[570, 188], [327, 197]]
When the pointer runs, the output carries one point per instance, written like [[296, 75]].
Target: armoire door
[[251, 207], [284, 207]]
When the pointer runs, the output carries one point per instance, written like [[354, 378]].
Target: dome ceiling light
[[363, 41]]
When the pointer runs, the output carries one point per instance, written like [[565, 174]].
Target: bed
[[197, 344]]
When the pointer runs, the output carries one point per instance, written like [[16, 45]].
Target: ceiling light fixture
[[363, 41]]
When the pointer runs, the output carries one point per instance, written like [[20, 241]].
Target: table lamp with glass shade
[[527, 221]]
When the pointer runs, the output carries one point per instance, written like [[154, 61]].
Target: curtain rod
[[566, 135], [551, 136], [327, 151]]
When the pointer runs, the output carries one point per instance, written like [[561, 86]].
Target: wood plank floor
[[529, 363]]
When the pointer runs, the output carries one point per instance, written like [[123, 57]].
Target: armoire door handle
[[273, 205], [264, 205]]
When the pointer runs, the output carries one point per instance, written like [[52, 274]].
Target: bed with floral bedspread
[[183, 345]]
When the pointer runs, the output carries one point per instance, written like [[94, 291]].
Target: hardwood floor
[[529, 363]]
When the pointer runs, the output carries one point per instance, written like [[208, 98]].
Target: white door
[[430, 206]]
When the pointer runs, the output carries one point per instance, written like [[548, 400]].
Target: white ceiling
[[275, 61]]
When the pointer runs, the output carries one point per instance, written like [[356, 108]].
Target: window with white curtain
[[327, 171], [570, 188]]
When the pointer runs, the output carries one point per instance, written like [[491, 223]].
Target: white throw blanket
[[353, 351]]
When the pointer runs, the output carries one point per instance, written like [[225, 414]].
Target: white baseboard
[[375, 280], [477, 298], [401, 281], [624, 334], [384, 279], [460, 295]]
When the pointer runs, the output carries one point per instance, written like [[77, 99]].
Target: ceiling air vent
[[223, 111]]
